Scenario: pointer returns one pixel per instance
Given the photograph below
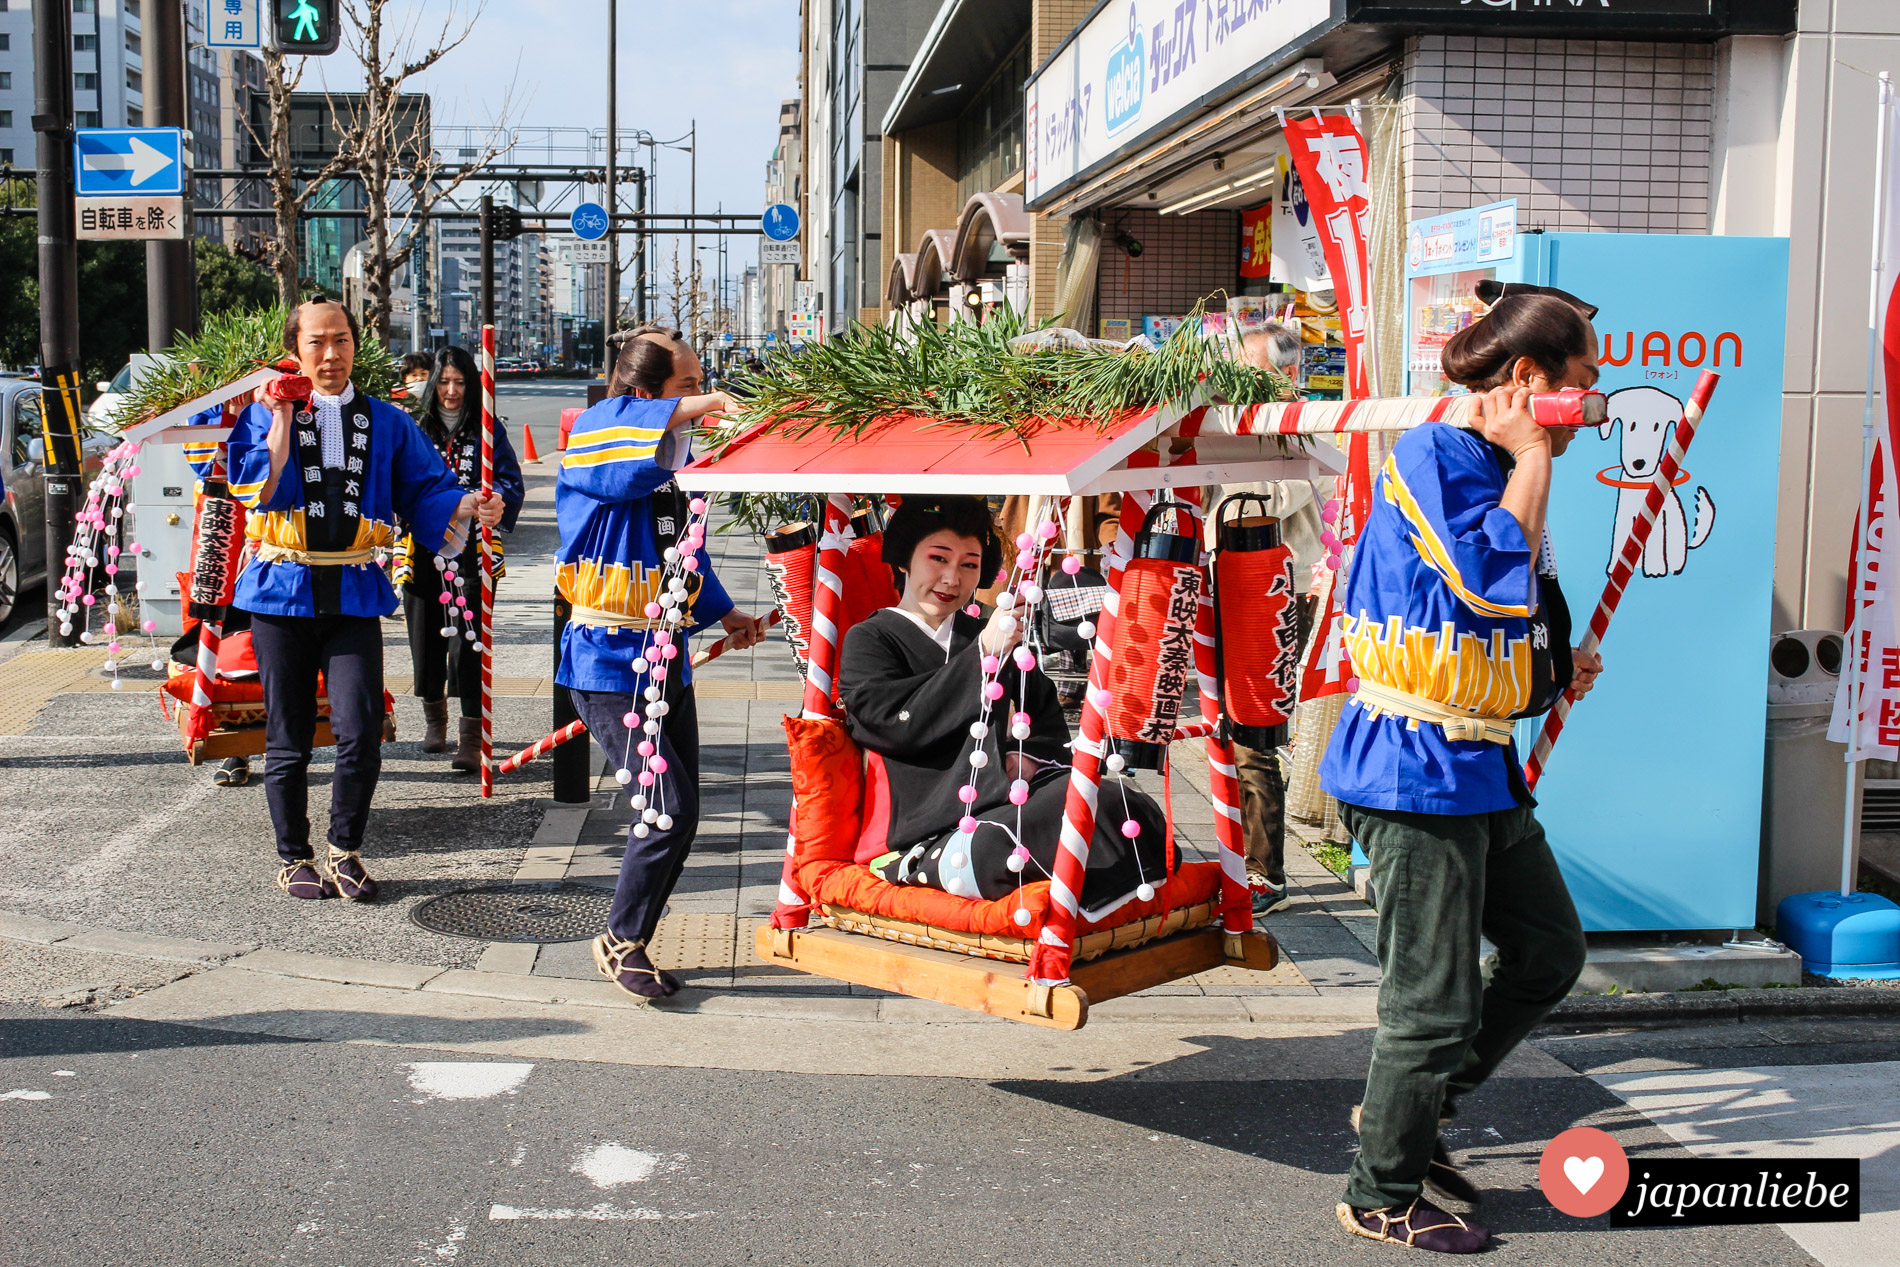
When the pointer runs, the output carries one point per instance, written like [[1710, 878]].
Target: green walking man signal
[[305, 28]]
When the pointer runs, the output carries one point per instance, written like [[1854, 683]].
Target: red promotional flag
[[1330, 156], [1256, 241], [1871, 622]]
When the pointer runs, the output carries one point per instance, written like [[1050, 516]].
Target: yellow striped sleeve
[[600, 457], [1433, 551], [615, 435], [247, 493]]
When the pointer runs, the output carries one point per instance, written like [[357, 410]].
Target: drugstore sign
[[1138, 64]]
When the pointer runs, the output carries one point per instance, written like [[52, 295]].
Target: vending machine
[[1652, 799]]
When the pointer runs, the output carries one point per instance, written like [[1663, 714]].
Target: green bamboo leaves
[[967, 376]]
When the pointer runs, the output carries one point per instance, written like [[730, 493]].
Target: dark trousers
[[1441, 880], [443, 665], [1262, 812], [652, 866], [348, 651], [1263, 788]]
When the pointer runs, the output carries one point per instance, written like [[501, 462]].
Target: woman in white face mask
[[450, 415]]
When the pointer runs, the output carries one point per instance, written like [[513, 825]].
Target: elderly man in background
[[1295, 503]]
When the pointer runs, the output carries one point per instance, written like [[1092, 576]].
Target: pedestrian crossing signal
[[305, 28]]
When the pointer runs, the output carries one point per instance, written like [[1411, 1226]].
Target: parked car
[[112, 394], [23, 506]]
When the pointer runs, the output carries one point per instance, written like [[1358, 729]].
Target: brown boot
[[435, 715], [468, 754]]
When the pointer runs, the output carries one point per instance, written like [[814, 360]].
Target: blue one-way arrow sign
[[110, 161]]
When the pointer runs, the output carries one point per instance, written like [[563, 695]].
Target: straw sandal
[[350, 876], [625, 963], [304, 879], [1422, 1226]]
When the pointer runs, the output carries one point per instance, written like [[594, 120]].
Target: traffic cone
[[528, 436]]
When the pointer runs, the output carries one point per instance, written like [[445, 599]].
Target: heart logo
[[1583, 1172]]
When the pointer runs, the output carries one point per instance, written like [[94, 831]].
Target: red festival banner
[[1870, 681], [1330, 156]]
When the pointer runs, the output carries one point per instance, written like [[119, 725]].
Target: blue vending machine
[[1652, 797]]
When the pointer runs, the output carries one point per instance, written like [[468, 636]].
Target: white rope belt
[[268, 553], [1466, 727], [604, 619]]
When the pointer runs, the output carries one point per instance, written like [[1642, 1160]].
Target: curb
[[1817, 1002], [35, 931], [1350, 1005]]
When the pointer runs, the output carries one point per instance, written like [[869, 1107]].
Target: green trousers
[[1440, 880]]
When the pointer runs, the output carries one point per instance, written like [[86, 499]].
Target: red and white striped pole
[[1627, 559], [1223, 777], [542, 746], [488, 564], [794, 907], [724, 645], [1055, 947]]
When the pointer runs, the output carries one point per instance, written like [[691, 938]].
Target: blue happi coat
[[404, 487], [619, 456], [1442, 602]]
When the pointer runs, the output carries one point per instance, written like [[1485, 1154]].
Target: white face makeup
[[945, 570]]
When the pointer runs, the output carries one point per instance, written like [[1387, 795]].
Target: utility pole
[[59, 291], [608, 322], [641, 274], [171, 293]]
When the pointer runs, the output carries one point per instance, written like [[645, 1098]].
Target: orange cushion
[[843, 883], [827, 788]]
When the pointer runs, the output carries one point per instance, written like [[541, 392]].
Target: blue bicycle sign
[[589, 222], [780, 222]]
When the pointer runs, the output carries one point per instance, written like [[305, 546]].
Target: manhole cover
[[518, 912]]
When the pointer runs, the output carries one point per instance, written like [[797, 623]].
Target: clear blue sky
[[727, 63]]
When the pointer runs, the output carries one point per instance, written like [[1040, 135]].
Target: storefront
[[1701, 168]]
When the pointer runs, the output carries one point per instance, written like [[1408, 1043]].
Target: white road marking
[[614, 1165], [89, 878], [1791, 1111], [605, 1212], [64, 1073], [450, 1248], [466, 1079], [26, 1095]]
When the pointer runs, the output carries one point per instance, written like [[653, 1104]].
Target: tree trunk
[[282, 250], [378, 135]]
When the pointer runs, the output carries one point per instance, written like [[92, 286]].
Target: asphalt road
[[184, 1145]]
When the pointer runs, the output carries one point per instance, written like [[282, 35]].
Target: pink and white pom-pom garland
[[642, 763], [89, 584]]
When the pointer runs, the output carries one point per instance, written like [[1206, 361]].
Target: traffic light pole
[[59, 290], [570, 759], [171, 283], [610, 321]]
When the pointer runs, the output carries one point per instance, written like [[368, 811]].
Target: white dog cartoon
[[1648, 417]]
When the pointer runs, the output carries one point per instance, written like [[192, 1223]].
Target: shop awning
[[905, 453], [965, 44]]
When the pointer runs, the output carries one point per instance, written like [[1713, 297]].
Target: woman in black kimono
[[911, 680]]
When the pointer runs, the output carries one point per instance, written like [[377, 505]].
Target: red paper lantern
[[1256, 641], [791, 568], [1152, 652], [870, 584]]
